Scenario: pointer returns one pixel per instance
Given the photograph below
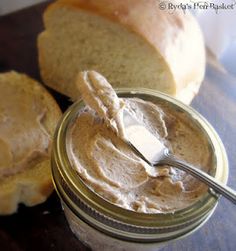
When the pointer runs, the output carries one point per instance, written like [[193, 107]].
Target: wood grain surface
[[44, 227]]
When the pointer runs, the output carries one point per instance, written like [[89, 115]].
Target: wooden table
[[44, 227]]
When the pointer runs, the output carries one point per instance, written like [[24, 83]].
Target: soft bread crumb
[[131, 42], [33, 185]]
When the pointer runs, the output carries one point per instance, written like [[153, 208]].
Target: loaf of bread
[[132, 42], [28, 116]]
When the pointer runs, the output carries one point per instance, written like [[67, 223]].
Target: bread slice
[[27, 179], [133, 43]]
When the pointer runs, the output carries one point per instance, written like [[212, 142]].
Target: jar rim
[[96, 205]]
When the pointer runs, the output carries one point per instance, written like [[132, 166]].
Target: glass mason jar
[[102, 225]]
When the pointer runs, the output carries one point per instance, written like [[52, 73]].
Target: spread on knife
[[110, 168]]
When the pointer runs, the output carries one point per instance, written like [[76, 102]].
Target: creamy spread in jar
[[23, 139], [109, 167]]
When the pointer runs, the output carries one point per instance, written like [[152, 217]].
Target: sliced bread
[[132, 42], [28, 116]]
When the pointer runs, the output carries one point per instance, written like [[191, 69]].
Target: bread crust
[[33, 185], [176, 35]]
